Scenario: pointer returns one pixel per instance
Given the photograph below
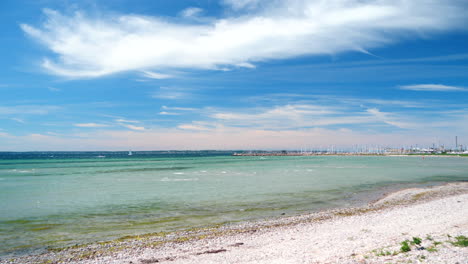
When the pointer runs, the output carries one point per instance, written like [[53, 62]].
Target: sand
[[370, 234]]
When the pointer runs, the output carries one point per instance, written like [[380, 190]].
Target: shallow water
[[59, 199]]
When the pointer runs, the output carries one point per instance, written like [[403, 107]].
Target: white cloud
[[401, 103], [387, 118], [242, 4], [155, 75], [193, 127], [120, 120], [178, 108], [433, 88], [92, 47], [191, 12], [28, 109], [291, 117], [90, 125], [132, 127], [53, 89], [170, 93], [19, 120], [168, 113]]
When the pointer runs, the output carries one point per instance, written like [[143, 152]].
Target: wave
[[23, 171], [143, 169], [166, 179]]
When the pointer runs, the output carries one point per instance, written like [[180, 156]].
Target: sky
[[232, 74]]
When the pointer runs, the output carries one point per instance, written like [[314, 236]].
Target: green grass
[[384, 253], [405, 246], [460, 241], [416, 241], [431, 249]]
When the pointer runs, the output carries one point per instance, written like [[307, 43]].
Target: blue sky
[[225, 74]]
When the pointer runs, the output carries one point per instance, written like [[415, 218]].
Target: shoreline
[[216, 244], [294, 154]]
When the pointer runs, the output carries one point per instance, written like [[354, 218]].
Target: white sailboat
[[130, 153]]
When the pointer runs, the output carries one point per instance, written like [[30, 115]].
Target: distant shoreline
[[293, 154]]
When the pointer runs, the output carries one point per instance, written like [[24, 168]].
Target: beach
[[438, 216]]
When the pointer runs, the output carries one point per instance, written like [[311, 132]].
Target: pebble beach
[[432, 222]]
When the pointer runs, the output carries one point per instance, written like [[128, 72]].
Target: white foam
[[166, 179], [23, 171], [178, 173]]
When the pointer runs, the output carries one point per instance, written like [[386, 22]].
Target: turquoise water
[[66, 201]]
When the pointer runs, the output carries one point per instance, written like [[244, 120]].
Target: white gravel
[[346, 237]]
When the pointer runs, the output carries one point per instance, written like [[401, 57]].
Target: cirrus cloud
[[133, 127], [91, 47], [433, 88], [90, 125]]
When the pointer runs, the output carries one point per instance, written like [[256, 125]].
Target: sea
[[59, 199]]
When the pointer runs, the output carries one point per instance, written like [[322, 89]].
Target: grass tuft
[[416, 241], [405, 246], [460, 241], [431, 249]]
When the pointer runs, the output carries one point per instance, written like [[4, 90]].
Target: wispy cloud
[[28, 109], [433, 88], [191, 12], [4, 134], [331, 101], [133, 127], [90, 125], [242, 4], [388, 119], [155, 75], [129, 124], [291, 117], [170, 93], [194, 127], [19, 120], [53, 89], [348, 114], [92, 47], [121, 120], [178, 108], [168, 113]]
